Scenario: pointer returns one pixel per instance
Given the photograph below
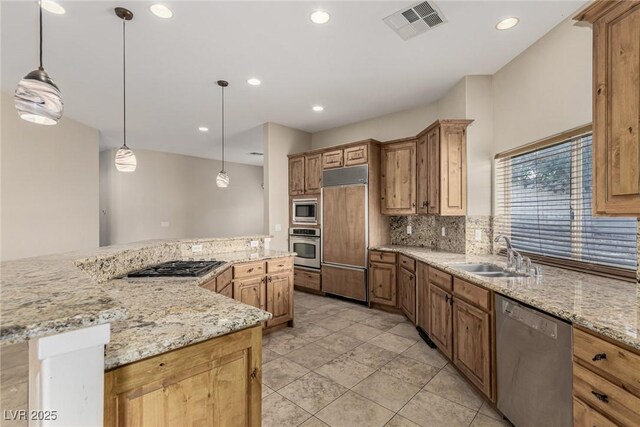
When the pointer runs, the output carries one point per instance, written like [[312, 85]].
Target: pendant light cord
[[41, 35], [223, 129], [124, 80]]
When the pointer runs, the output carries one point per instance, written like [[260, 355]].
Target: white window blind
[[543, 202]]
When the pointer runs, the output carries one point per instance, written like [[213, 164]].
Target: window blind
[[543, 202]]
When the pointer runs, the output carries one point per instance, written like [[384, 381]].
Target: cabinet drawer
[[608, 359], [609, 399], [248, 269], [476, 295], [440, 279], [585, 416], [224, 279], [279, 265], [408, 263], [385, 257], [332, 159], [355, 155], [306, 279]]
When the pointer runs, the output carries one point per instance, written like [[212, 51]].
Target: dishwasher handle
[[530, 318]]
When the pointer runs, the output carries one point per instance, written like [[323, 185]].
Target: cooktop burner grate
[[177, 269]]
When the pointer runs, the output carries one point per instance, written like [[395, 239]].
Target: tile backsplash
[[460, 232]]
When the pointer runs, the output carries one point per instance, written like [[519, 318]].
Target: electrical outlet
[[164, 224], [409, 229], [478, 235], [278, 227], [443, 232], [196, 248], [255, 243]]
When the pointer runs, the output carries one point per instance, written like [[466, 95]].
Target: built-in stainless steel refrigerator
[[345, 231]]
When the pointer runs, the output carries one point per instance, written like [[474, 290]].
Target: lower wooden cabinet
[[382, 284], [280, 298], [422, 297], [251, 291], [213, 383], [407, 286], [472, 344], [441, 328]]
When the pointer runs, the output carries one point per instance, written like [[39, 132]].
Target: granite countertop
[[47, 295], [169, 313], [607, 306]]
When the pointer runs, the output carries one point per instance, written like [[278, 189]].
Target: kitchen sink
[[487, 270]]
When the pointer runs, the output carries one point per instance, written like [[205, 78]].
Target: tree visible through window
[[543, 201]]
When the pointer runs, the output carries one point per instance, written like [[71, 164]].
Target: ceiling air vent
[[416, 19]]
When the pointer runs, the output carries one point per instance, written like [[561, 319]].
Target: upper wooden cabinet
[[313, 173], [296, 175], [398, 178], [357, 155], [442, 168], [305, 174], [616, 106], [333, 159]]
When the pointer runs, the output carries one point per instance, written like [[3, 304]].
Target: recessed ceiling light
[[161, 11], [254, 82], [320, 17], [53, 7], [203, 129], [507, 23], [318, 108]]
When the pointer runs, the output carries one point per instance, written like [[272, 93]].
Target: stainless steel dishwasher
[[534, 366]]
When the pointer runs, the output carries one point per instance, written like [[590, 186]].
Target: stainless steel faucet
[[512, 261]]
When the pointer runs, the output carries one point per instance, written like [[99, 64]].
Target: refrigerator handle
[[344, 266]]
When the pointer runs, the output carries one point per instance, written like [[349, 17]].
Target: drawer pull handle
[[599, 356], [601, 397], [250, 270]]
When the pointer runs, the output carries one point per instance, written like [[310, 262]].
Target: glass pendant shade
[[222, 180], [38, 99], [126, 160]]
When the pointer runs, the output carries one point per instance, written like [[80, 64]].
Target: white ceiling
[[355, 65]]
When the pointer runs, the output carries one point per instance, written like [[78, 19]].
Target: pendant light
[[37, 98], [222, 180], [125, 159]]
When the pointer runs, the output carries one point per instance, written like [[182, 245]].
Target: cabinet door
[[453, 169], [616, 121], [399, 178], [422, 316], [440, 320], [296, 175], [280, 298], [382, 284], [313, 174], [332, 159], [472, 344], [250, 291], [407, 283], [423, 175], [213, 383], [433, 171], [356, 155]]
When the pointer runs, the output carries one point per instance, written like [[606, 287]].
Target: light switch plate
[[444, 232], [196, 248], [278, 227], [164, 224], [409, 229], [255, 243], [478, 235]]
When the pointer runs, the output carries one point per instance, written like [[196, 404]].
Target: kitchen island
[[61, 295]]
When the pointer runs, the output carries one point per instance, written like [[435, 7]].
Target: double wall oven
[[306, 243]]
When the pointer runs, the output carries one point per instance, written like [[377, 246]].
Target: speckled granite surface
[[169, 313], [607, 306], [52, 294]]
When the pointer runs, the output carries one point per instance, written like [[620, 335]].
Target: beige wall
[[180, 190], [452, 105], [49, 186], [391, 126], [278, 142], [546, 89]]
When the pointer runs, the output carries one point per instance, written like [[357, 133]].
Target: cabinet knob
[[250, 270], [601, 397], [413, 205], [599, 356], [254, 373]]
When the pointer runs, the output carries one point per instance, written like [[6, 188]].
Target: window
[[543, 202]]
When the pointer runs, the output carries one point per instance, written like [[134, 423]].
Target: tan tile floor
[[346, 365]]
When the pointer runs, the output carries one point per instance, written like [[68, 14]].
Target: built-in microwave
[[305, 211]]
